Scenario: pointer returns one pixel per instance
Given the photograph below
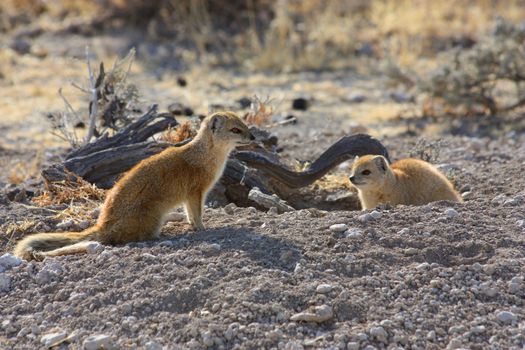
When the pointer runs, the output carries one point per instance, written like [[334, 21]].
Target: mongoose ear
[[216, 122], [356, 158], [381, 163]]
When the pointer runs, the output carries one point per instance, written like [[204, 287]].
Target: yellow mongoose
[[407, 181], [134, 208]]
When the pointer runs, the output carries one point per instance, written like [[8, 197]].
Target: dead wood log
[[104, 160]]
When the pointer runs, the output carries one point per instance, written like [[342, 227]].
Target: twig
[[93, 103]]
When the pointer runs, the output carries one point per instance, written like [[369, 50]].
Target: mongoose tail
[[54, 244]]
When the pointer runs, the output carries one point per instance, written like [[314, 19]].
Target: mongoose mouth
[[354, 182]]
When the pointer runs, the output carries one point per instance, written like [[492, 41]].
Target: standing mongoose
[[136, 205], [407, 181]]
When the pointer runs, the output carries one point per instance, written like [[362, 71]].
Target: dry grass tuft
[[69, 191], [260, 113], [182, 132]]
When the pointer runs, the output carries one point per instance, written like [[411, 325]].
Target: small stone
[[338, 228], [431, 335], [352, 345], [5, 282], [175, 216], [379, 334], [52, 338], [321, 313], [365, 217], [506, 317], [423, 266], [230, 209], [324, 288], [499, 199], [520, 223], [65, 224], [98, 341], [207, 338], [166, 244], [478, 329], [94, 248], [84, 224], [151, 345], [454, 343], [298, 268], [411, 251], [8, 261], [403, 231], [215, 307], [516, 285], [451, 213], [376, 215], [511, 202], [273, 211], [353, 233]]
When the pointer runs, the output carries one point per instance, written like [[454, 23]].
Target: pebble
[[411, 251], [516, 285], [321, 313], [84, 224], [338, 228], [94, 248], [352, 345], [451, 213], [65, 224], [376, 215], [520, 223], [365, 217], [499, 199], [230, 209], [353, 233], [175, 216], [454, 343], [151, 345], [166, 244], [324, 288], [95, 213], [403, 231], [379, 333], [5, 282], [423, 266], [8, 261], [506, 317], [98, 341], [52, 338]]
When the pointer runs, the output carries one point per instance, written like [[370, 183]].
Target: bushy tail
[[54, 244]]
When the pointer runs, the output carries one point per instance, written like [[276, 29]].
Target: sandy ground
[[438, 276]]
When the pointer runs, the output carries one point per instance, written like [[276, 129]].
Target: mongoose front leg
[[194, 209]]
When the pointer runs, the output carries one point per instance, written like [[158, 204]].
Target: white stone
[[423, 266], [94, 248], [379, 333], [52, 338], [5, 282], [175, 216], [8, 261], [151, 345], [520, 223], [324, 288], [451, 213], [98, 341], [506, 317], [338, 228], [65, 224], [376, 214], [403, 231], [166, 244]]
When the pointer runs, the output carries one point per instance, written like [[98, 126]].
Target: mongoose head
[[227, 128], [369, 171]]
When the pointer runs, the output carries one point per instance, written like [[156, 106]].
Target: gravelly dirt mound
[[436, 276]]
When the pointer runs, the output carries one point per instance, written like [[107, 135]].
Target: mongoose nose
[[352, 178], [252, 137]]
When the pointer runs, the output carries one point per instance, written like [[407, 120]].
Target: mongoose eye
[[366, 172], [236, 131]]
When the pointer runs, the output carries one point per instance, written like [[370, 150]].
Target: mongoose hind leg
[[194, 208]]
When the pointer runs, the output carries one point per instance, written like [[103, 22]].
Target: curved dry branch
[[344, 149]]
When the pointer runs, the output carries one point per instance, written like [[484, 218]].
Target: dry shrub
[[180, 133], [260, 113], [69, 191], [488, 78]]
